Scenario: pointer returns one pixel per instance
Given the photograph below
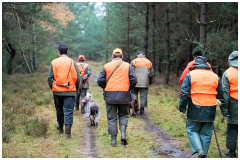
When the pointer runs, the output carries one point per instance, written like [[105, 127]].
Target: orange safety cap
[[117, 51], [81, 57]]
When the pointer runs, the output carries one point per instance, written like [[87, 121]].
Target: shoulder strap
[[114, 71], [145, 64], [69, 69]]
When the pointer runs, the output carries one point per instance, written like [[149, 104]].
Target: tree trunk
[[146, 30], [24, 57], [107, 32], [203, 15], [153, 36], [35, 46], [159, 64], [31, 60], [167, 69], [128, 28], [190, 57], [12, 51]]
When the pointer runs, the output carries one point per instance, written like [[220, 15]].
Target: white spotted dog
[[92, 109]]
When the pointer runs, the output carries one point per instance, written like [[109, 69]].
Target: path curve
[[167, 145]]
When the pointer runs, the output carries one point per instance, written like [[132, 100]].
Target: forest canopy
[[166, 32]]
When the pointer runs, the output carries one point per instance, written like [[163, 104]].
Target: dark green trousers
[[231, 137], [143, 95], [83, 94], [199, 135], [115, 112], [64, 108]]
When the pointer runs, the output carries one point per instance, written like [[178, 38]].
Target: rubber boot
[[230, 153], [201, 153], [60, 128], [142, 110], [123, 135], [113, 140], [68, 130]]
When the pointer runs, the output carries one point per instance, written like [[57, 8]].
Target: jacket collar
[[201, 66]]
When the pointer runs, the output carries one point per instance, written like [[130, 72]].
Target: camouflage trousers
[[115, 112], [143, 95]]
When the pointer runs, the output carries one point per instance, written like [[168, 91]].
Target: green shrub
[[36, 127]]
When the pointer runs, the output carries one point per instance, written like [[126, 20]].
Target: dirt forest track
[[88, 148], [168, 147]]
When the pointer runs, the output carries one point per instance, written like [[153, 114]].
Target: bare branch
[[17, 67]]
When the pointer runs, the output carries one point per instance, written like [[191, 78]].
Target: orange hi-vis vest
[[138, 62], [204, 84], [82, 67], [232, 73], [64, 72], [120, 79]]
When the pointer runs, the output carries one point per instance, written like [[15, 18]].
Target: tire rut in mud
[[89, 148], [167, 145]]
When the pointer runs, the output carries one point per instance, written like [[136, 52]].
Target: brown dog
[[135, 107]]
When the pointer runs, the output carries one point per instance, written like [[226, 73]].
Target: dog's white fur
[[89, 95]]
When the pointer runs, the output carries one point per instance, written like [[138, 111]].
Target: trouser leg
[[193, 129], [231, 137], [143, 97], [112, 119], [206, 135], [123, 114], [77, 102], [58, 101], [68, 106], [83, 94], [134, 93]]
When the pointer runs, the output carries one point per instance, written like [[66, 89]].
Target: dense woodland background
[[166, 32]]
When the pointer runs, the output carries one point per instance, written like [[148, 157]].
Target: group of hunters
[[201, 91]]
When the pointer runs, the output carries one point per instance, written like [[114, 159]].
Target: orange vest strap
[[82, 67], [65, 75], [120, 79]]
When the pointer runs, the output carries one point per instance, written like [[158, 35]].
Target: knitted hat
[[197, 51]]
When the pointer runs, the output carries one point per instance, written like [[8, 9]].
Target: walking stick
[[216, 135], [217, 141]]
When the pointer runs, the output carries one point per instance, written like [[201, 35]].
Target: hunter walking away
[[119, 80]]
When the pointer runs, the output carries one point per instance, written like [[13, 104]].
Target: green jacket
[[51, 76], [194, 112], [229, 105]]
